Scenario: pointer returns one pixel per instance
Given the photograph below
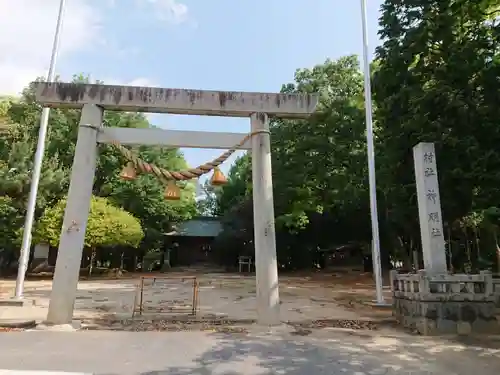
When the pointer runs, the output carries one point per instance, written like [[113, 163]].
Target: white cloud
[[26, 35], [14, 78], [27, 30], [171, 11], [139, 81]]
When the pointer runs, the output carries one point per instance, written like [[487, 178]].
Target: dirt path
[[230, 296]]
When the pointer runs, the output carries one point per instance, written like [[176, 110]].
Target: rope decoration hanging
[[136, 163]]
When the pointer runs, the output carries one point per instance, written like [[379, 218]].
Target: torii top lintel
[[175, 101]]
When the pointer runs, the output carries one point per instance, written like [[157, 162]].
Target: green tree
[[17, 148], [143, 197], [319, 170], [237, 190], [9, 221], [107, 226], [435, 82], [324, 169], [5, 121]]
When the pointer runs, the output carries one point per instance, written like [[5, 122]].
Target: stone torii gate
[[93, 99]]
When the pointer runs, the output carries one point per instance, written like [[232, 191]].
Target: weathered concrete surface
[[173, 138], [206, 353], [72, 238], [175, 101]]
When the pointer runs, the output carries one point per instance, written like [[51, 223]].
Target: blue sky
[[220, 44]]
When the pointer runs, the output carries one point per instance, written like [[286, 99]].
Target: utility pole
[[377, 266], [37, 165]]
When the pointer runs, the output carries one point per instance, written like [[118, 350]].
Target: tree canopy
[[436, 82], [142, 198], [319, 169], [107, 225], [435, 79]]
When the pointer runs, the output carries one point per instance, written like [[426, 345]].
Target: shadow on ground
[[201, 353], [323, 351], [336, 356]]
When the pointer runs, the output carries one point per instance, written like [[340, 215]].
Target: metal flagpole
[[377, 269], [37, 166]]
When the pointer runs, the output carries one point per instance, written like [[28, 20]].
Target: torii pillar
[[94, 99]]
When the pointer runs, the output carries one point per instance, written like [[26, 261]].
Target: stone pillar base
[[445, 304], [441, 317]]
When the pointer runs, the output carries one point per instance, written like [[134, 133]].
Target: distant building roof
[[202, 226]]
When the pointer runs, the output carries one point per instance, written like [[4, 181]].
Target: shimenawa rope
[[184, 175]]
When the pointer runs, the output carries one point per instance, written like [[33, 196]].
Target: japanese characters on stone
[[433, 218]]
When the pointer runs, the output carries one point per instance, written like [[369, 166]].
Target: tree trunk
[[166, 261], [406, 253], [467, 252], [497, 248], [478, 248], [416, 262], [450, 251], [92, 260], [498, 259]]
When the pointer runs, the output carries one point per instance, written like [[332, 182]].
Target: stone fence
[[446, 303]]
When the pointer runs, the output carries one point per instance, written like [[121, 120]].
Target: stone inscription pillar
[[429, 208]]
